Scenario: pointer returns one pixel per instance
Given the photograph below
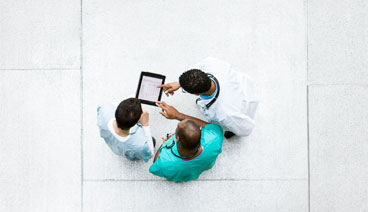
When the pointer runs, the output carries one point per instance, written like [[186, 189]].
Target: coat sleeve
[[240, 124]]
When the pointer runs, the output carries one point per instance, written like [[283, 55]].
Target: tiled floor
[[60, 59]]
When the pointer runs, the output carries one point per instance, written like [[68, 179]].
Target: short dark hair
[[195, 81], [128, 113], [189, 134]]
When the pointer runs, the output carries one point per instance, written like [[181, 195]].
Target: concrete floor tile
[[338, 148], [196, 196], [168, 36], [40, 141], [338, 41], [140, 196], [255, 196], [39, 34]]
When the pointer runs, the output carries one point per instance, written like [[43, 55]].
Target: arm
[[157, 154], [170, 112], [144, 120]]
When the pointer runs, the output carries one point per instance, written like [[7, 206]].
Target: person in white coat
[[226, 97]]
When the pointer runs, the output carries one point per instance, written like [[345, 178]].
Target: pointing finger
[[162, 86]]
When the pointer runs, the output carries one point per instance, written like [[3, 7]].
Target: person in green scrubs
[[191, 150]]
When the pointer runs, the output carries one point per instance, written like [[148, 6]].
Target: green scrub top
[[176, 169]]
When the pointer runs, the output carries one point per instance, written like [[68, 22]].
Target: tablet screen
[[147, 89]]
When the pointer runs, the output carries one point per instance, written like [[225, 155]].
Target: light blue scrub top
[[175, 169], [134, 148]]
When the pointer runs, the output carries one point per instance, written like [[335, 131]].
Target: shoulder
[[105, 113], [212, 129], [212, 134], [104, 108], [164, 155], [162, 164]]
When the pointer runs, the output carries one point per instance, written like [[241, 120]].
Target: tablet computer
[[147, 90]]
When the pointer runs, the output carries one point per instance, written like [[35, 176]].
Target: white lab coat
[[236, 104]]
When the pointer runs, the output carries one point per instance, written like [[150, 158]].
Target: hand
[[144, 120], [170, 88], [168, 111]]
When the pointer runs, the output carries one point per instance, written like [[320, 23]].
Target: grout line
[[216, 180], [40, 69], [337, 84], [307, 37], [81, 99], [308, 83], [308, 149]]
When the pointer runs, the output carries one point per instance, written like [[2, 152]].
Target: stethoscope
[[208, 105], [170, 146]]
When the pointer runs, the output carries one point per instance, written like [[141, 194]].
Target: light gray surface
[[285, 46], [39, 34], [338, 148], [40, 141], [197, 196], [150, 36], [338, 41]]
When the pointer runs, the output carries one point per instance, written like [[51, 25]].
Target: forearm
[[198, 122], [147, 133], [157, 154]]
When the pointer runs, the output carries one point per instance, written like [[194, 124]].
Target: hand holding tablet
[[147, 90]]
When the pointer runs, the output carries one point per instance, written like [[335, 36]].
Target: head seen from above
[[195, 81], [128, 113], [188, 135]]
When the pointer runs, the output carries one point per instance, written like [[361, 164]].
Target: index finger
[[162, 86]]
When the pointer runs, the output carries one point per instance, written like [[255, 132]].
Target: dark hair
[[128, 113], [195, 81], [189, 134]]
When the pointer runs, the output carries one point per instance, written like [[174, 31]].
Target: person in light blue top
[[126, 129], [191, 151]]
